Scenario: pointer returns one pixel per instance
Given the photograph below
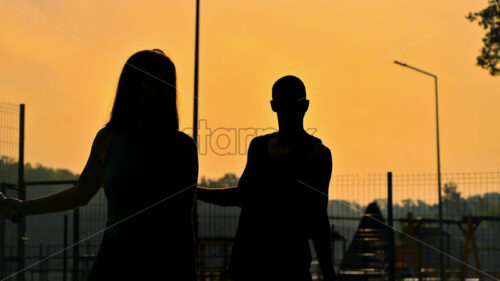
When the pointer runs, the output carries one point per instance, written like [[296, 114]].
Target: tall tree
[[489, 19]]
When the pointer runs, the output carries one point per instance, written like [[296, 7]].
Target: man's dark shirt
[[277, 213]]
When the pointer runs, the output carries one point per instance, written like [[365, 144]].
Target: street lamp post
[[440, 208], [195, 101]]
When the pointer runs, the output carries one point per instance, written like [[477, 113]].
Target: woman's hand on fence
[[4, 209], [9, 207]]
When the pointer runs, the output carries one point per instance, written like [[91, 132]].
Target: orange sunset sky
[[63, 60]]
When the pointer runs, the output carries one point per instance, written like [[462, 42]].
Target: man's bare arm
[[321, 169]]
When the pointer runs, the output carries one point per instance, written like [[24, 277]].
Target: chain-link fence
[[471, 224], [471, 212], [9, 159], [9, 142], [471, 221]]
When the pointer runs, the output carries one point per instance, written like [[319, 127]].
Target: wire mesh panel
[[92, 224], [349, 195], [358, 213], [471, 215], [44, 236], [216, 230], [9, 142], [352, 226], [415, 196], [471, 202], [9, 151]]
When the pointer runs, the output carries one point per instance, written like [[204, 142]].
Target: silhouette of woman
[[149, 172]]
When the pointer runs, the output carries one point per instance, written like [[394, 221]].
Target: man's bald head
[[289, 99], [288, 89]]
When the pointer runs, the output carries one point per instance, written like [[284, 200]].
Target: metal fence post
[[2, 240], [21, 227], [390, 221], [76, 247], [65, 246]]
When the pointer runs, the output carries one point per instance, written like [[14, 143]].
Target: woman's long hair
[[149, 76]]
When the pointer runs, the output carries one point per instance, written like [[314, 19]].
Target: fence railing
[[471, 204]]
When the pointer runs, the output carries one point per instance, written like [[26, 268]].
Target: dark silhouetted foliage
[[489, 19]]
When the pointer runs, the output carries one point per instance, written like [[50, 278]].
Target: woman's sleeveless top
[[150, 186]]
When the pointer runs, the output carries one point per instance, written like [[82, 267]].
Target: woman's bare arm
[[229, 196], [91, 179]]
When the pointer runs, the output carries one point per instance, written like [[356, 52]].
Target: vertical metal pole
[[21, 227], [196, 57], [65, 246], [40, 257], [441, 234], [390, 221], [440, 208], [195, 101], [76, 247], [2, 240], [332, 237]]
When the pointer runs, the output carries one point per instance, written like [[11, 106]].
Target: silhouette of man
[[283, 195]]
